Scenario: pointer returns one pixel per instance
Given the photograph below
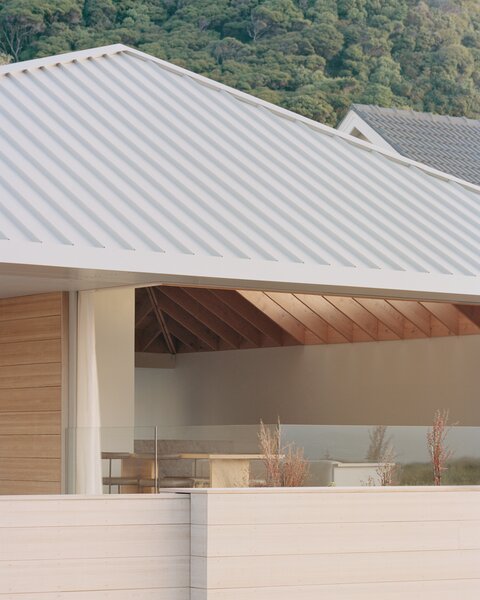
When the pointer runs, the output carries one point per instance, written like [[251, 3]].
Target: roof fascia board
[[139, 267], [242, 96]]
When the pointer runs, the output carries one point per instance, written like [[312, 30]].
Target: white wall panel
[[95, 548], [418, 590], [336, 544], [67, 511], [330, 505], [99, 541], [244, 544], [151, 594], [315, 569], [327, 538]]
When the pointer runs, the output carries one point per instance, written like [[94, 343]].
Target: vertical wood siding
[[32, 344], [349, 544]]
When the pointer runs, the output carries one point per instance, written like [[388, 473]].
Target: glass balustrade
[[146, 459]]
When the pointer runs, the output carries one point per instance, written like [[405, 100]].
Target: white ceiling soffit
[[118, 163]]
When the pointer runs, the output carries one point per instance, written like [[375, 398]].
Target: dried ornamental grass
[[387, 469], [269, 442], [440, 454], [285, 466], [379, 443], [295, 467]]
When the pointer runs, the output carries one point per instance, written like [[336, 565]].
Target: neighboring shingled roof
[[449, 144]]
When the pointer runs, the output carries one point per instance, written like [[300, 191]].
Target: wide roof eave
[[93, 268]]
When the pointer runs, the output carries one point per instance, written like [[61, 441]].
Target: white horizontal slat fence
[[244, 544], [95, 548], [336, 544]]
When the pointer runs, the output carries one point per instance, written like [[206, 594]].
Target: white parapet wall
[[95, 548], [336, 544], [244, 544]]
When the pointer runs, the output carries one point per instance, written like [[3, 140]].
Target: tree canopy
[[315, 57]]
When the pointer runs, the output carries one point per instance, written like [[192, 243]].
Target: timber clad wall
[[353, 544], [95, 548], [32, 342]]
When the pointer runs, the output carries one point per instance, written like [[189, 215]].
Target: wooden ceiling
[[176, 320]]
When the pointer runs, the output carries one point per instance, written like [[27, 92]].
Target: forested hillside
[[312, 56]]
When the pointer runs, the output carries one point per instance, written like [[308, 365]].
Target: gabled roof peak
[[116, 49]]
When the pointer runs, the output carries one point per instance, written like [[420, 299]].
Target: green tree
[[312, 56], [22, 20], [19, 22]]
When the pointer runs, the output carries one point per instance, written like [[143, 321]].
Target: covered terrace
[[180, 257]]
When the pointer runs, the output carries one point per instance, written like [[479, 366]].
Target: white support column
[[115, 341]]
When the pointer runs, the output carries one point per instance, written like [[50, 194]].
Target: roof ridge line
[[63, 58], [242, 96], [410, 112]]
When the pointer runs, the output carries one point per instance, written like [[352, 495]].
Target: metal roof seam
[[66, 169], [157, 150], [180, 71], [143, 166], [363, 226], [254, 192], [410, 219], [251, 220], [284, 169]]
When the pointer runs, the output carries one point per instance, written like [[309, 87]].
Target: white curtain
[[88, 469]]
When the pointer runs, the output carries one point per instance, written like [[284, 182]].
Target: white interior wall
[[114, 323], [393, 383]]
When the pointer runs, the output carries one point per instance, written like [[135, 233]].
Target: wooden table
[[226, 470]]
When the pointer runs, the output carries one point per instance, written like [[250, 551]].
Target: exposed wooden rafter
[[204, 315], [173, 319], [386, 314], [446, 314], [265, 304], [228, 314], [472, 313], [143, 307], [414, 312], [330, 313], [146, 337], [161, 321], [183, 317], [303, 314], [275, 335], [358, 315]]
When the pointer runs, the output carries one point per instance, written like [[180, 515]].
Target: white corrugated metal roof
[[114, 160]]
